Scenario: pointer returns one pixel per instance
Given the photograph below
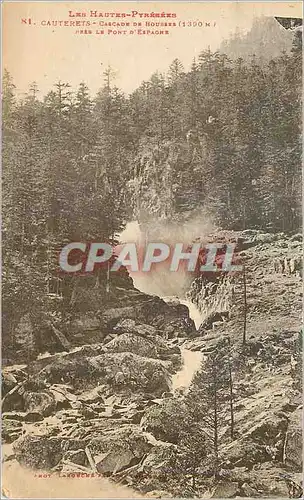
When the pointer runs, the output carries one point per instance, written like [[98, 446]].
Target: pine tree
[[211, 401]]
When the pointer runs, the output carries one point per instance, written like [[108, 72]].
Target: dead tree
[[245, 304]]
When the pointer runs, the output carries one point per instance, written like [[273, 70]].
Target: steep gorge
[[97, 395], [105, 404], [96, 383]]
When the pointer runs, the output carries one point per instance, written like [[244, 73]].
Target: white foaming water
[[194, 312], [171, 288], [191, 364], [162, 282]]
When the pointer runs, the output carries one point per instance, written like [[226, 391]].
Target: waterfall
[[162, 282]]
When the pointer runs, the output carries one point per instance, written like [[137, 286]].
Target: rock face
[[294, 440], [214, 298], [24, 337], [11, 430], [273, 267], [93, 315], [8, 382]]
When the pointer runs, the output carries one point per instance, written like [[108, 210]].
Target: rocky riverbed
[[109, 409]]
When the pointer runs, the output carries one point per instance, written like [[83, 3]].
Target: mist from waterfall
[[161, 281]]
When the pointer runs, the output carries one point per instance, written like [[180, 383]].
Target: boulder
[[269, 430], [179, 327], [8, 382], [64, 370], [160, 349], [39, 402], [130, 326], [225, 490], [80, 352], [62, 395], [45, 452], [118, 448], [248, 491], [115, 461], [127, 342], [13, 399], [251, 238], [14, 415], [169, 319], [90, 396], [21, 416], [123, 370], [165, 421], [85, 323], [86, 328], [272, 480], [125, 326], [38, 452], [296, 237], [159, 458], [77, 457], [33, 416], [126, 370], [164, 350], [158, 494]]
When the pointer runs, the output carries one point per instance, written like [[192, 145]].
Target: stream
[[191, 360], [171, 288], [20, 482], [191, 364]]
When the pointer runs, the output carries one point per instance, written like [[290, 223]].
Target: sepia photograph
[[152, 249]]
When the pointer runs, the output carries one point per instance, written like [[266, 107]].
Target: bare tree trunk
[[231, 394], [193, 480], [108, 278], [215, 439], [245, 304], [284, 447]]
